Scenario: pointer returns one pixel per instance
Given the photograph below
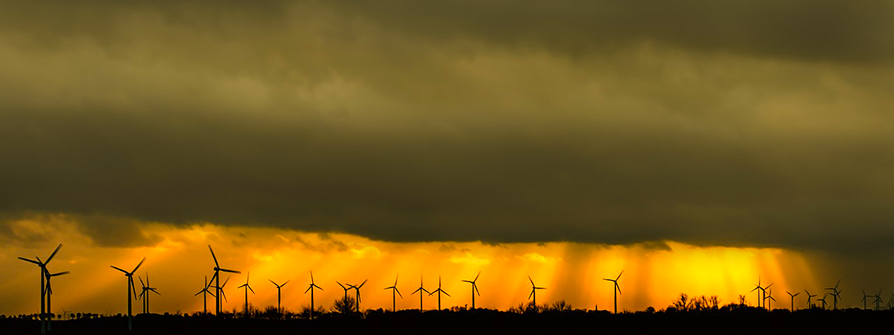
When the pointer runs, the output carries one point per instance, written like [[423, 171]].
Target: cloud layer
[[761, 123]]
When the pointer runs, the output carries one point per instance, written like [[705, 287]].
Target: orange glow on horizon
[[574, 272]]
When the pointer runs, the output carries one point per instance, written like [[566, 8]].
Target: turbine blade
[[53, 254], [398, 293], [59, 274], [308, 289], [230, 271], [284, 284], [141, 281], [342, 286], [29, 261], [138, 265], [618, 287], [532, 281], [274, 283], [250, 289], [476, 276], [363, 283], [619, 275], [213, 256], [445, 292], [476, 289], [117, 268]]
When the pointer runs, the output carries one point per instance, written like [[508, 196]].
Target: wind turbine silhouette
[[474, 288], [247, 287], [835, 294], [357, 291], [216, 280], [144, 295], [204, 292], [878, 299], [394, 289], [824, 300], [221, 292], [420, 290], [793, 298], [769, 299], [534, 292], [439, 291], [310, 289], [809, 296], [278, 294], [43, 297], [762, 292], [616, 289], [49, 293], [130, 288]]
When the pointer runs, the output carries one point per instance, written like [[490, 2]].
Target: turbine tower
[[394, 289], [534, 292], [439, 291], [809, 296], [311, 290], [145, 293], [835, 294], [616, 289], [43, 297], [278, 294], [474, 288], [216, 280], [130, 288], [420, 290], [247, 287], [793, 298], [204, 292]]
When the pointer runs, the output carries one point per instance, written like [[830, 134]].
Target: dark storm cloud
[[737, 123]]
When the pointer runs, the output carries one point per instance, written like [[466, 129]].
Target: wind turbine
[[439, 291], [835, 294], [760, 292], [204, 292], [474, 288], [534, 292], [793, 298], [49, 293], [43, 271], [145, 294], [878, 299], [130, 288], [311, 290], [247, 287], [216, 280], [221, 292], [616, 289], [770, 298], [824, 300], [809, 296], [278, 294], [357, 291], [393, 289], [422, 289]]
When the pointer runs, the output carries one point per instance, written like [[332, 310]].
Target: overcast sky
[[747, 123]]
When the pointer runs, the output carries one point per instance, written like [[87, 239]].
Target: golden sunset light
[[625, 164]]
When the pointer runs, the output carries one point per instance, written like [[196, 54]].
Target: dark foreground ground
[[489, 322]]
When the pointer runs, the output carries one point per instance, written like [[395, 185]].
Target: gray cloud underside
[[712, 122]]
